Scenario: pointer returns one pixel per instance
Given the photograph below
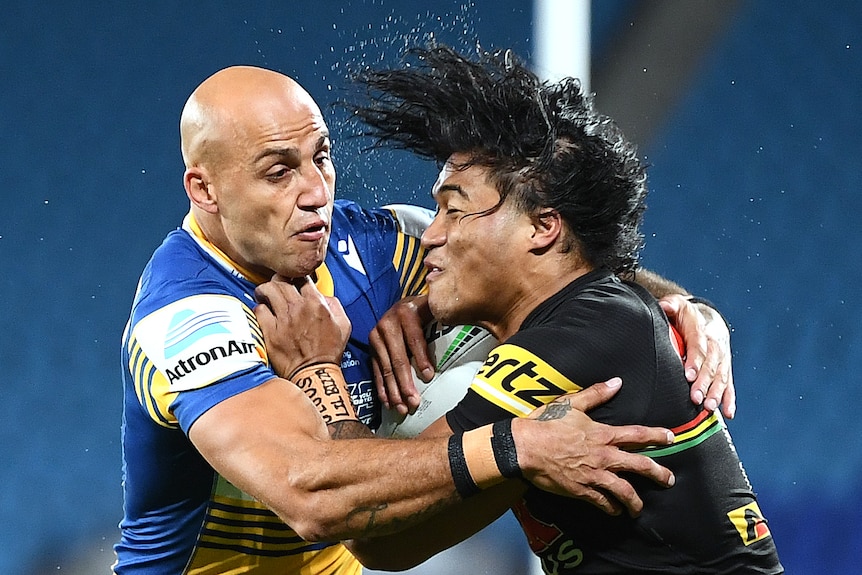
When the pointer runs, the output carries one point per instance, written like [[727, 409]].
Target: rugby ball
[[457, 352]]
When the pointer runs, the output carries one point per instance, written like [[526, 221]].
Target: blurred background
[[747, 112]]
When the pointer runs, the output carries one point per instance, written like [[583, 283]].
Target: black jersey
[[596, 328]]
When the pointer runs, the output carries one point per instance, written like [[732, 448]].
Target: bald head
[[231, 103], [258, 170]]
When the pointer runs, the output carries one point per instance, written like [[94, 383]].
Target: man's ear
[[547, 229], [198, 189]]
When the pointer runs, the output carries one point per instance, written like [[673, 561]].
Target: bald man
[[230, 463]]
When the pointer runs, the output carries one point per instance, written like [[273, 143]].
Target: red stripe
[[691, 424]]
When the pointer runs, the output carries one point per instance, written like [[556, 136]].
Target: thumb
[[670, 306]]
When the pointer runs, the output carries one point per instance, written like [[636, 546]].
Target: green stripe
[[655, 452]]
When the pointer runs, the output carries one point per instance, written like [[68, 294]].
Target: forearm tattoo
[[370, 521], [349, 429]]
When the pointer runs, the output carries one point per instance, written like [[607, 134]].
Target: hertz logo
[[519, 381], [188, 365]]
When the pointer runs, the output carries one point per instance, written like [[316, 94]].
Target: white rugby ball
[[457, 352]]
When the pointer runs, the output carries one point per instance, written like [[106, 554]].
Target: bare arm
[[416, 544], [657, 285], [272, 443]]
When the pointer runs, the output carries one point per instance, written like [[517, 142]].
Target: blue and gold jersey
[[192, 341]]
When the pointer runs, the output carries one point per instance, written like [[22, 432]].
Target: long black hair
[[543, 144]]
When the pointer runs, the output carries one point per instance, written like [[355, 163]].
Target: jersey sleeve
[[407, 258], [190, 354], [538, 364], [512, 382]]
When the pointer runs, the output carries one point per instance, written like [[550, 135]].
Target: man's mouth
[[313, 231], [433, 270]]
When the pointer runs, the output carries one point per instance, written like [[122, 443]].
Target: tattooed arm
[[599, 445], [349, 430]]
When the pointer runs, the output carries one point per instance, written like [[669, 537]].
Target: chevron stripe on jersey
[[407, 259], [689, 435]]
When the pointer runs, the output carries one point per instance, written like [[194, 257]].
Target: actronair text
[[188, 365]]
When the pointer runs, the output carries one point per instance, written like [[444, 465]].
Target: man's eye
[[277, 174]]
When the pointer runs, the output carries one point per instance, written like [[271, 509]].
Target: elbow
[[310, 520], [309, 504]]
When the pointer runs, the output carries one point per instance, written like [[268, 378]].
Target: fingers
[[380, 384], [696, 345], [299, 325], [611, 505], [688, 322], [670, 304], [634, 437], [384, 375], [623, 491], [707, 353], [714, 383], [264, 314], [279, 292], [414, 336], [720, 391], [399, 330], [594, 395], [708, 379], [598, 479], [728, 400], [339, 315]]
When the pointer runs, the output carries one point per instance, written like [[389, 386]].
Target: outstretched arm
[[705, 334], [416, 544], [271, 442]]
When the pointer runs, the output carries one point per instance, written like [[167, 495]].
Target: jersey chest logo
[[519, 381]]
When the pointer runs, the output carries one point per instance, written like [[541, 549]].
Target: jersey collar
[[323, 277]]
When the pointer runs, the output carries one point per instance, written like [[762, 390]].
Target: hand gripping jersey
[[193, 341], [596, 328]]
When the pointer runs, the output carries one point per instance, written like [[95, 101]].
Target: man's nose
[[316, 192]]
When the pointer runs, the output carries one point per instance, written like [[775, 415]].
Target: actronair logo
[[186, 331], [187, 327], [200, 340], [188, 365]]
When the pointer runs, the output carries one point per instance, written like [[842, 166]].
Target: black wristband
[[503, 446], [464, 484]]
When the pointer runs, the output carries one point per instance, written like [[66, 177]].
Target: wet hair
[[543, 144]]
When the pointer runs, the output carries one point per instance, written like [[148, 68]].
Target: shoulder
[[405, 218], [591, 303], [180, 269], [412, 220], [588, 327]]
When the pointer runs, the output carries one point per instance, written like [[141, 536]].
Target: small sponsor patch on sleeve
[[750, 523], [517, 380], [199, 340]]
